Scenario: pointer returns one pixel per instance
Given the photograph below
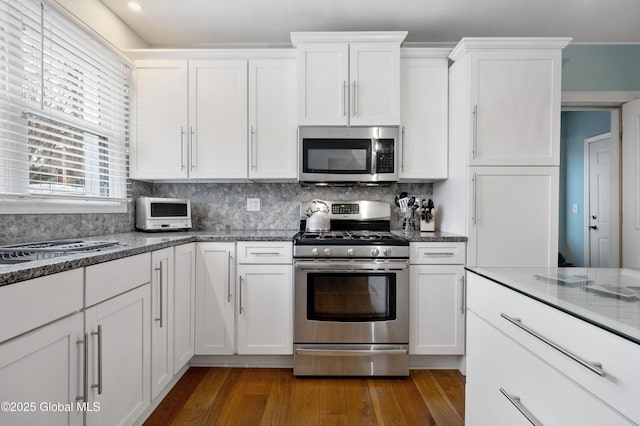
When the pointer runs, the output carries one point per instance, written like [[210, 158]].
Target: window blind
[[64, 108]]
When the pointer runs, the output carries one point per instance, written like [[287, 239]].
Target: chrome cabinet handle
[[191, 145], [85, 377], [240, 296], [474, 219], [99, 334], [515, 400], [474, 147], [344, 98], [252, 146], [402, 145], [354, 101], [229, 277], [265, 253], [463, 299], [161, 317], [439, 253], [181, 148], [350, 352], [594, 367]]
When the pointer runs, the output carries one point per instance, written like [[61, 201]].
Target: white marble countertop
[[606, 297]]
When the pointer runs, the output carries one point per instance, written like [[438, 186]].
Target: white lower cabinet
[[437, 299], [119, 358], [162, 285], [265, 309], [41, 371], [215, 299], [182, 306]]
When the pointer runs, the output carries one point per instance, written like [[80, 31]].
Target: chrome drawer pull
[[594, 367], [350, 352], [515, 400]]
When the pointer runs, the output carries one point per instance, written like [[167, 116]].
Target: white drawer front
[[280, 252], [109, 279], [30, 304], [437, 253], [499, 368], [572, 337]]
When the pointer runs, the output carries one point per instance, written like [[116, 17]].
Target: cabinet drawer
[[109, 279], [437, 253], [265, 252], [620, 384], [30, 304], [498, 367]]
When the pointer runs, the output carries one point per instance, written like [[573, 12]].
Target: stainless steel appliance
[[348, 155], [351, 312], [162, 214]]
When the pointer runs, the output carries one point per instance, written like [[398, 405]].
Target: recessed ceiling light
[[135, 6]]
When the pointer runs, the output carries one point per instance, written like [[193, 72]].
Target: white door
[[513, 216], [161, 337], [218, 119], [161, 120], [323, 80], [215, 298], [631, 184], [265, 309], [374, 71], [272, 119], [598, 160], [182, 311]]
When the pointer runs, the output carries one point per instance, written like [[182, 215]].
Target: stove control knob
[[327, 252], [375, 252], [387, 252], [351, 252], [315, 252]]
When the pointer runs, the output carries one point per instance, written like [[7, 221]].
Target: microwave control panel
[[384, 156]]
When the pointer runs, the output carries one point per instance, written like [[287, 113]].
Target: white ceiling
[[208, 23]]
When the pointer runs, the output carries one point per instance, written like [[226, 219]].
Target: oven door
[[352, 301]]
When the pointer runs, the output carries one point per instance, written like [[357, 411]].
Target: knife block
[[427, 226]]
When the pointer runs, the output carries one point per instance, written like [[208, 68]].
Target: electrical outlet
[[253, 204], [574, 208]]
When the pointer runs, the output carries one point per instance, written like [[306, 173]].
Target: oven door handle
[[350, 352], [351, 267]]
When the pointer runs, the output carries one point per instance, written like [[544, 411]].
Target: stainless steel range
[[351, 307]]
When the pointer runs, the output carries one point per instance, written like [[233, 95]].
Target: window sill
[[60, 206]]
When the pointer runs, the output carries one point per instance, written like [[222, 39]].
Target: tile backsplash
[[223, 204]]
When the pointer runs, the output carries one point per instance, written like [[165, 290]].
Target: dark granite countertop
[[132, 243]]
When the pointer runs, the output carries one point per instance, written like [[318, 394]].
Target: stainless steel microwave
[[162, 214], [348, 155]]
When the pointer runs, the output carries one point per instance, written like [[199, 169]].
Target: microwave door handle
[[374, 156]]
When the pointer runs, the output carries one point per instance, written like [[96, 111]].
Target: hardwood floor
[[248, 396]]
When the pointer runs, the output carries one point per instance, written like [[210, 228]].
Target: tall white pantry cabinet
[[504, 150]]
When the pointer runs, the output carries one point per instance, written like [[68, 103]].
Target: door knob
[[593, 226]]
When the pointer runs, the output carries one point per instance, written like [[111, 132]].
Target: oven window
[[168, 209], [351, 296], [349, 156]]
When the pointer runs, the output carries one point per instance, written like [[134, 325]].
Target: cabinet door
[[182, 310], [161, 336], [218, 119], [161, 120], [323, 84], [374, 70], [43, 366], [265, 309], [272, 119], [423, 150], [513, 218], [119, 360], [437, 313], [515, 101], [215, 272]]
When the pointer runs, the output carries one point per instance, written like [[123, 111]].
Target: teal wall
[[601, 67], [576, 126]]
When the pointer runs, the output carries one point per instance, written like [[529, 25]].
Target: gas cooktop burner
[[349, 237]]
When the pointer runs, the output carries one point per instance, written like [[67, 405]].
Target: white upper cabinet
[[513, 99], [161, 120], [229, 116], [424, 112], [348, 78], [272, 119]]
